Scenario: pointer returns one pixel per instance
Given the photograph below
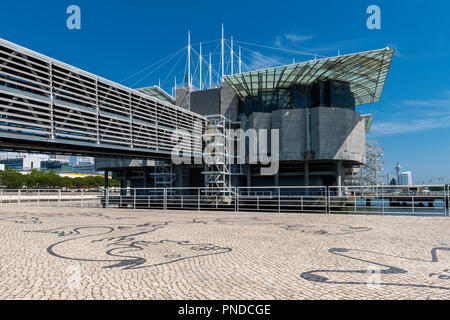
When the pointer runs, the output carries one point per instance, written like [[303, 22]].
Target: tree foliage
[[12, 179]]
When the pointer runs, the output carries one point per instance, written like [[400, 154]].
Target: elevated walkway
[[50, 106]]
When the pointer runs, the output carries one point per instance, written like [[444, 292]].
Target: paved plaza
[[73, 253]]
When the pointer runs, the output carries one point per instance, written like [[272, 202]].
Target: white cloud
[[259, 61], [298, 38], [429, 103], [292, 39], [387, 128]]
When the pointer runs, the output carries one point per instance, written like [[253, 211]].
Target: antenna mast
[[240, 61], [200, 66], [189, 59], [232, 60], [222, 55], [210, 71]]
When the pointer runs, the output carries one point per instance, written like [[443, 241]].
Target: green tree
[[12, 179]]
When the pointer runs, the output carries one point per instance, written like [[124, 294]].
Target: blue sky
[[120, 38]]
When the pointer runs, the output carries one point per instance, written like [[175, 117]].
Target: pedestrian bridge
[[50, 106]]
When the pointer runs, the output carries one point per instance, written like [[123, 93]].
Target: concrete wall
[[338, 134], [292, 126], [206, 102], [183, 98], [229, 102]]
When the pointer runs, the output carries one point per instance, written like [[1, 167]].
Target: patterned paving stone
[[73, 253]]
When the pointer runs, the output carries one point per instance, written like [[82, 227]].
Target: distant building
[[405, 179], [25, 164], [82, 161], [22, 155], [57, 165], [60, 158]]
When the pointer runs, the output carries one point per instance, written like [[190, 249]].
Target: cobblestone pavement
[[73, 253]]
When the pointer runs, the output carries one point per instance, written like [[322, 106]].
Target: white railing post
[[82, 198], [412, 202], [236, 200], [198, 198], [279, 200], [59, 198], [165, 199], [19, 201], [107, 198], [134, 199], [328, 200], [446, 201]]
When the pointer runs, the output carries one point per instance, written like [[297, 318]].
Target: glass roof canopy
[[157, 93], [365, 71]]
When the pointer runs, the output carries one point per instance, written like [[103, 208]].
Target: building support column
[[106, 184], [306, 174], [123, 183], [248, 169], [145, 183], [276, 179], [339, 170]]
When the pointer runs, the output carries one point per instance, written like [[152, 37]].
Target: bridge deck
[[47, 105]]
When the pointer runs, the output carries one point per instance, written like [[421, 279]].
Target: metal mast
[[232, 58], [210, 71], [222, 55], [200, 66], [189, 59], [240, 61]]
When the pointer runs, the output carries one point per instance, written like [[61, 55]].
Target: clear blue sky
[[119, 38]]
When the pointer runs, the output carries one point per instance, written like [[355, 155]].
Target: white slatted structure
[[47, 103]]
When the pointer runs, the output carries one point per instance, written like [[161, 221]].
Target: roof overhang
[[365, 71], [158, 93]]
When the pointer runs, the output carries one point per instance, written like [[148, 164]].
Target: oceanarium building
[[322, 137]]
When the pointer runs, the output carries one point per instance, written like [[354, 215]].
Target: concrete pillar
[[145, 183], [123, 183], [339, 174], [106, 184], [306, 173], [248, 169]]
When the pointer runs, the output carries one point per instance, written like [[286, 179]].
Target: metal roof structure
[[158, 93], [365, 71]]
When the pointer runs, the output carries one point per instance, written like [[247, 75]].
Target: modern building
[[291, 125], [23, 164], [313, 105], [405, 179]]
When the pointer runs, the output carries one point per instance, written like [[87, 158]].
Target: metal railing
[[390, 200], [368, 200], [51, 197]]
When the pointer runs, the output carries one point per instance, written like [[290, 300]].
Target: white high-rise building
[[60, 158], [405, 179], [85, 160], [23, 155]]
